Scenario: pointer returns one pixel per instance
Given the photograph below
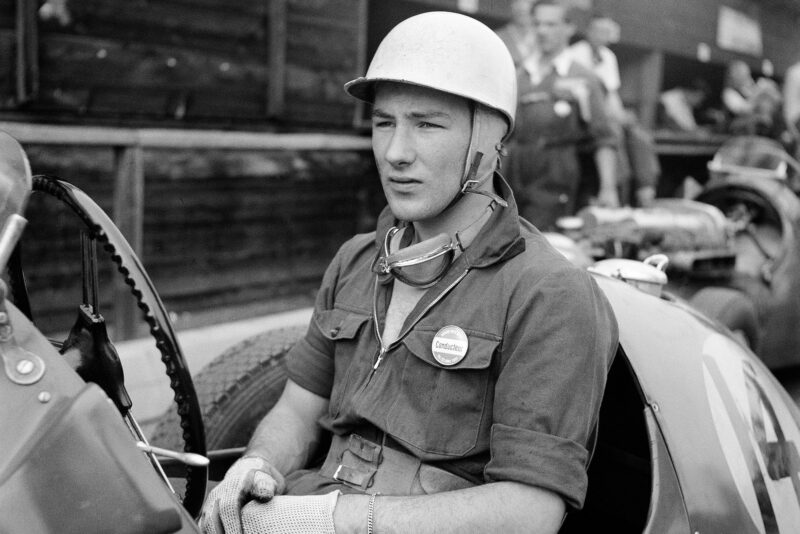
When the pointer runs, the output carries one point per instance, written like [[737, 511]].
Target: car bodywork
[[695, 435], [722, 432], [69, 462], [73, 453], [739, 236]]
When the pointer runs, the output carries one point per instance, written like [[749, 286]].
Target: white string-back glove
[[250, 477], [289, 514]]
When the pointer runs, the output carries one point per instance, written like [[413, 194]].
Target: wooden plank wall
[[194, 63], [281, 64], [222, 229], [124, 60], [322, 53], [7, 54]]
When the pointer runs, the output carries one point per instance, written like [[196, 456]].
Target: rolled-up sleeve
[[560, 340], [556, 463], [310, 361], [310, 365]]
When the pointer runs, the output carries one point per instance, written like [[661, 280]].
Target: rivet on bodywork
[[45, 396], [25, 367], [655, 409]]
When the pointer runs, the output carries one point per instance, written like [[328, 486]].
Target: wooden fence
[[236, 221]]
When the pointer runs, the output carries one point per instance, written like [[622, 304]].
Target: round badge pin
[[562, 108], [450, 345]]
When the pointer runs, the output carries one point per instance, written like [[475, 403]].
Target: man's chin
[[406, 209], [403, 215], [404, 212]]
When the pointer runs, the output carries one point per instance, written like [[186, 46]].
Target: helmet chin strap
[[443, 247], [471, 184]]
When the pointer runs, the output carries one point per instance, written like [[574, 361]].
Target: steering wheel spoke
[[90, 285], [88, 347]]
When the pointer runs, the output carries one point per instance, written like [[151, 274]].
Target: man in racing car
[[456, 359]]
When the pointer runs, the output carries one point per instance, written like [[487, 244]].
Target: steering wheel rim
[[101, 229]]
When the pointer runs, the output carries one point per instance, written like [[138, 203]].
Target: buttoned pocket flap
[[478, 356], [337, 324]]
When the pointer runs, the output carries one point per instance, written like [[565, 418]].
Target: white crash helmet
[[448, 52]]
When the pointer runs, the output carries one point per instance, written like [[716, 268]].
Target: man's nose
[[400, 148]]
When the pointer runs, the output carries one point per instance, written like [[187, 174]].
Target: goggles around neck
[[423, 264], [420, 265]]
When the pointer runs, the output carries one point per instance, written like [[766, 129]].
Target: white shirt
[[538, 71], [603, 63]]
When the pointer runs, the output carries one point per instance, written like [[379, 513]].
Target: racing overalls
[[521, 404]]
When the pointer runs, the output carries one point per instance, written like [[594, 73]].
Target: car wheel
[[732, 308], [237, 389]]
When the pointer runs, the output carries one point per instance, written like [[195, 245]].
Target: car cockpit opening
[[620, 471]]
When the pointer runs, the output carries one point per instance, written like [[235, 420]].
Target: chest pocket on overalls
[[441, 409], [342, 327]]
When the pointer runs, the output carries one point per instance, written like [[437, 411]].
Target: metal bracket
[[22, 366]]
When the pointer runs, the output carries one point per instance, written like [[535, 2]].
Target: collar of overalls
[[498, 240]]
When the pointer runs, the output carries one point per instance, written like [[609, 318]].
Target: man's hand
[[250, 477]]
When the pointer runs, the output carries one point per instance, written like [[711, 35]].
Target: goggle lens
[[420, 265]]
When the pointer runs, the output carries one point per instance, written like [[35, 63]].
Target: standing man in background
[[561, 110]]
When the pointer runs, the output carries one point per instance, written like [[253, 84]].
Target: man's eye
[[382, 124], [429, 125]]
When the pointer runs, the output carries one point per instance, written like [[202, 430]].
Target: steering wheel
[[98, 360]]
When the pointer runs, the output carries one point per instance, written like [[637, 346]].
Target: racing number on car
[[778, 454]]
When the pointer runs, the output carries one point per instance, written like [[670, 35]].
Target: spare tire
[[236, 390], [732, 308]]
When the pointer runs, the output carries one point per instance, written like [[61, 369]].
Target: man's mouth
[[403, 180]]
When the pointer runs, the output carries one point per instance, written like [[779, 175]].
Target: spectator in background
[[752, 106], [681, 106], [518, 35], [791, 105], [560, 108], [638, 167], [593, 53]]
